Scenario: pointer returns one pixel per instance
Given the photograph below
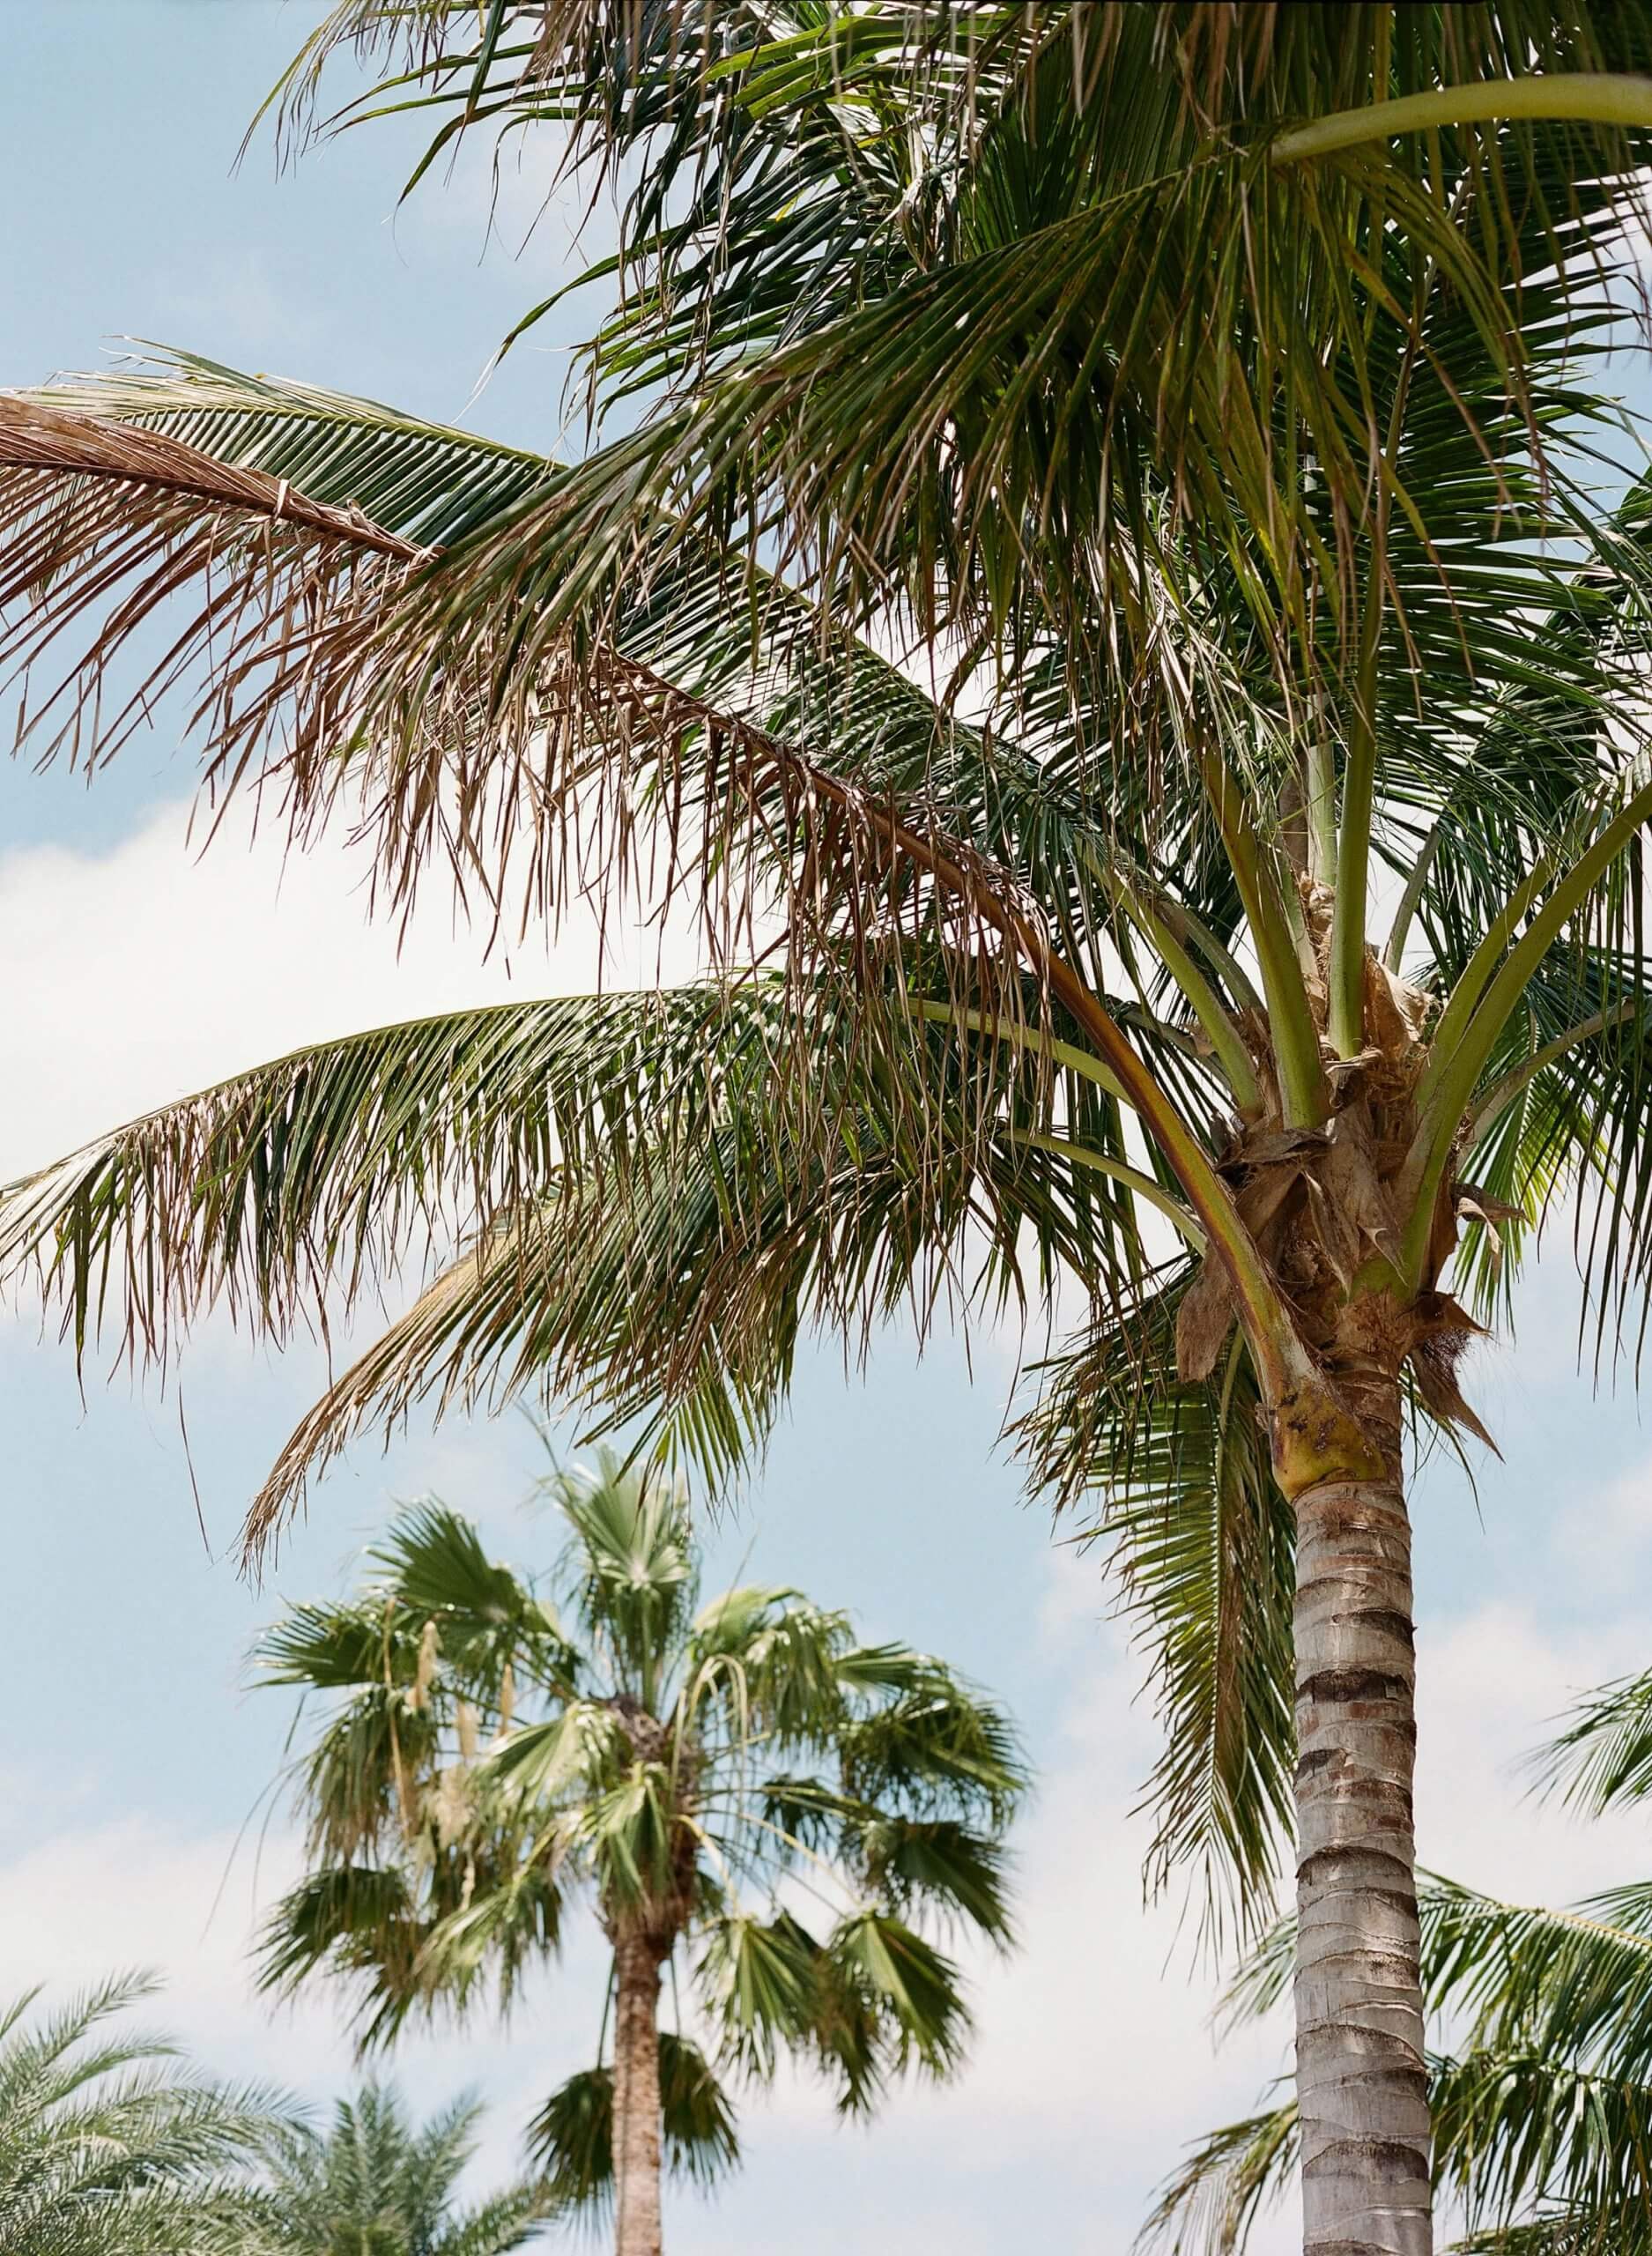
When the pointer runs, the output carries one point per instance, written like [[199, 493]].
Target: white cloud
[[1489, 1686], [134, 977]]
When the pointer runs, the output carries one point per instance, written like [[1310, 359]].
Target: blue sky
[[132, 969]]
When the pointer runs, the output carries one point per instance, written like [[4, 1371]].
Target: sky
[[135, 967]]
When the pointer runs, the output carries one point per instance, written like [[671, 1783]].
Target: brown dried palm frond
[[452, 707]]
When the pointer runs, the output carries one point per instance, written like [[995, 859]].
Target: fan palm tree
[[109, 2148], [1242, 928], [745, 1796], [1542, 2112], [374, 2183]]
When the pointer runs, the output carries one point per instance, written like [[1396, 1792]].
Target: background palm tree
[[1202, 399], [748, 1798], [374, 2183], [109, 2147], [1542, 2108]]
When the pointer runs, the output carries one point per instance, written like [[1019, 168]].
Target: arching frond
[[1204, 1546], [571, 2138]]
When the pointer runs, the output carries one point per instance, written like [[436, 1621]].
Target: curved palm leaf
[[571, 2138], [108, 2147]]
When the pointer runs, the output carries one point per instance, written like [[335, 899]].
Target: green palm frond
[[1203, 1544], [631, 1564], [356, 1921], [374, 2179], [571, 2138], [1513, 2128], [1226, 2182], [938, 1866], [1603, 1758], [110, 2143], [1576, 1983], [662, 1216]]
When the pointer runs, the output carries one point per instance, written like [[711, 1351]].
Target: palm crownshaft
[[1232, 453], [490, 1762]]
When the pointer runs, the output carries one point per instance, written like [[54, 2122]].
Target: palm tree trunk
[[636, 2098], [1361, 2080]]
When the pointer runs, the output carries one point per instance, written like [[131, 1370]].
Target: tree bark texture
[[636, 2098], [1361, 2078]]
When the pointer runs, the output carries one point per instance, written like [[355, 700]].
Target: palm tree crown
[[374, 2183], [109, 2148], [740, 1791]]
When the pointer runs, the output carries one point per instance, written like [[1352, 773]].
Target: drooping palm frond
[[1210, 2204], [677, 664], [571, 2138], [1517, 2131], [655, 1215], [1204, 1546], [1573, 1983]]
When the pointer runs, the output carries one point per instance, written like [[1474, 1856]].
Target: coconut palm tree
[[374, 2183], [749, 1800], [108, 2146], [1240, 929], [1542, 2110]]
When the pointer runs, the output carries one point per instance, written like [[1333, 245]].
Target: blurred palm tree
[[108, 2146], [374, 2183], [756, 1808]]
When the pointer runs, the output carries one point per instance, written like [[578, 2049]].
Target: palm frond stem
[[1202, 999], [1084, 1063], [1117, 1171], [1296, 1037], [1502, 1093], [1592, 97], [1437, 1130]]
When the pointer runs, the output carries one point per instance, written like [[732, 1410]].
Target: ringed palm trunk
[[636, 2097], [1361, 2077]]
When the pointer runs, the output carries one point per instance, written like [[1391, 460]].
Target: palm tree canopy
[[1206, 406], [1256, 575], [373, 2183], [801, 1818], [110, 2147]]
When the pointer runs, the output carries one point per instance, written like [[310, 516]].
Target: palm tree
[[108, 2147], [1542, 2112], [374, 2183], [1206, 403], [747, 1798]]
